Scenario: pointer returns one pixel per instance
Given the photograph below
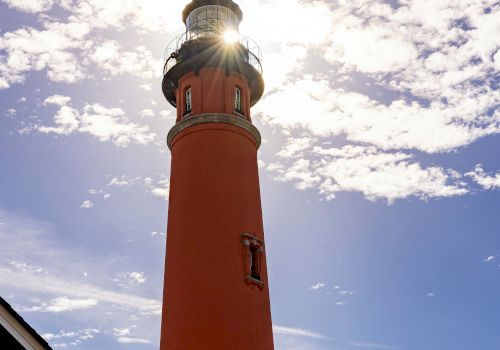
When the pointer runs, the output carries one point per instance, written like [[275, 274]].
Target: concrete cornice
[[213, 118]]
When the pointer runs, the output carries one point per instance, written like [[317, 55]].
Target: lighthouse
[[216, 290]]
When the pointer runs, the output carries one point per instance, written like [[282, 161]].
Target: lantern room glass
[[210, 20]]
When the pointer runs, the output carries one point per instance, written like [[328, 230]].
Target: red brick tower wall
[[210, 300], [216, 292]]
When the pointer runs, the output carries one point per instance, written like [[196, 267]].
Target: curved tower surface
[[216, 293]]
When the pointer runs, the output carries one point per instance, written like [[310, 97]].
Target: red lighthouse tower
[[216, 292]]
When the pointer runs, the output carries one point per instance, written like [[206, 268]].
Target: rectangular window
[[255, 262], [237, 100], [253, 253], [189, 100]]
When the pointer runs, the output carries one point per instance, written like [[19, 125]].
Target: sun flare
[[231, 36]]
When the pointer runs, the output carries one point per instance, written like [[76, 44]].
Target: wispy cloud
[[62, 304], [128, 340], [159, 188], [485, 180], [490, 259], [51, 285], [297, 332], [87, 204], [367, 345], [50, 278], [317, 286], [62, 338], [304, 333]]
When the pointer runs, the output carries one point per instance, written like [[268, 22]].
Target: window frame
[[188, 100], [254, 255], [238, 101]]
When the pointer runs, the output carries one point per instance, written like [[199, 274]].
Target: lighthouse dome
[[211, 17]]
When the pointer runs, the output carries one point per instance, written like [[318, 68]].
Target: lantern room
[[212, 17]]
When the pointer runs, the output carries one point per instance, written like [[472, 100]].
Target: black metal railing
[[252, 53]]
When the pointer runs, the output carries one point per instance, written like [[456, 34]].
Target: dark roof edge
[[194, 4], [24, 324]]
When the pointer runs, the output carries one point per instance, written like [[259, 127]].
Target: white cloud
[[167, 114], [367, 345], [146, 87], [73, 337], [122, 181], [344, 292], [431, 295], [22, 266], [160, 192], [159, 189], [113, 59], [158, 186], [87, 204], [106, 124], [399, 125], [11, 112], [31, 241], [496, 59], [367, 170], [51, 49], [64, 304], [58, 100], [137, 277], [105, 195], [297, 332], [48, 284], [317, 286], [288, 337], [294, 147], [67, 50], [489, 259], [367, 48], [124, 336], [155, 233], [143, 15], [128, 340], [39, 270], [315, 16], [30, 5], [483, 179], [431, 89], [147, 113], [431, 86], [121, 332]]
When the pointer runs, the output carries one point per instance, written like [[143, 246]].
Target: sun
[[231, 36]]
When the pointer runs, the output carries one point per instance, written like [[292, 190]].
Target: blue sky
[[379, 169]]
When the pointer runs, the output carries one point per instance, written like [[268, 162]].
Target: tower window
[[254, 260], [189, 100], [253, 252], [237, 100]]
